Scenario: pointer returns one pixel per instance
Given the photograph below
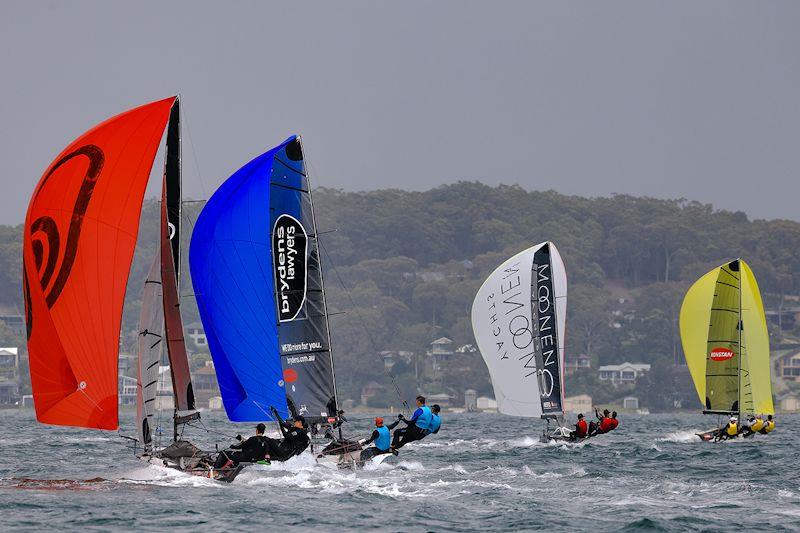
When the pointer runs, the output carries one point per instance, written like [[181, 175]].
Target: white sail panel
[[503, 326]]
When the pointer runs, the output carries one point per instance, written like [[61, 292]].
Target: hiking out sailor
[[753, 425], [416, 427], [730, 430], [601, 426], [247, 451], [581, 430], [769, 425], [612, 422], [382, 439], [436, 420], [295, 438]]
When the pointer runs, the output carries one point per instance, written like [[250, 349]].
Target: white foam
[[681, 437]]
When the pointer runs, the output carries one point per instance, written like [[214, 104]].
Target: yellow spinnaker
[[729, 366]]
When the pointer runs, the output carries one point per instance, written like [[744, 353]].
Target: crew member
[[754, 424], [416, 427], [436, 420], [612, 422], [769, 425], [602, 425], [731, 430], [248, 451], [581, 430], [382, 438], [295, 438]]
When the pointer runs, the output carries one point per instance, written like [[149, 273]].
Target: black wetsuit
[[294, 442], [248, 451], [408, 434]]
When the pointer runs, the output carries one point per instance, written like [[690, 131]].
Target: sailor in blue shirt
[[381, 436], [417, 427], [436, 420]]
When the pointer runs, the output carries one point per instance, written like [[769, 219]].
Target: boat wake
[[54, 484], [682, 437]]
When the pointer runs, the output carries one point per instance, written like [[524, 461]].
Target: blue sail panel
[[231, 269]]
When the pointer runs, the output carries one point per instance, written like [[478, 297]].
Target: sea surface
[[482, 472]]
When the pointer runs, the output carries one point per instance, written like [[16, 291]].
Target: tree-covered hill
[[412, 262]]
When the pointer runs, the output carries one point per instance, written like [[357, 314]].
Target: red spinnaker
[[80, 235]]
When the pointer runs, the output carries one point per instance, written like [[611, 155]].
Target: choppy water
[[482, 472]]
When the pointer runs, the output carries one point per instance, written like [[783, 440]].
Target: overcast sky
[[668, 99]]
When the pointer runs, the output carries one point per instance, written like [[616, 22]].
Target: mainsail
[[255, 266], [150, 349], [79, 238], [726, 342], [518, 318]]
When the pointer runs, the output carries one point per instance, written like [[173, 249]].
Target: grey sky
[[667, 99]]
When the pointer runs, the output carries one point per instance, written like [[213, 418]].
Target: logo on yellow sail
[[721, 354]]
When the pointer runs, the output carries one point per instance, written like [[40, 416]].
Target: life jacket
[[769, 426], [384, 438], [606, 425], [732, 429], [424, 420], [581, 429], [614, 423], [757, 425], [436, 423]]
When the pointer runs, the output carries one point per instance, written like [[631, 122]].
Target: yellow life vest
[[756, 425], [770, 426], [732, 430]]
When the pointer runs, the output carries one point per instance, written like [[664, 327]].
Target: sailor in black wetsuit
[[417, 427], [247, 451], [295, 438]]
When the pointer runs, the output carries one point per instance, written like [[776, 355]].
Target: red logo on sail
[[721, 354], [290, 375]]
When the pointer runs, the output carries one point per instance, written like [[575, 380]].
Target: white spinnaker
[[502, 322]]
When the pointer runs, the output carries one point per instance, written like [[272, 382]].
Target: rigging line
[[363, 325], [185, 120]]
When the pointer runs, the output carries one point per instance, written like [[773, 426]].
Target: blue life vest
[[384, 438], [436, 423], [424, 420]]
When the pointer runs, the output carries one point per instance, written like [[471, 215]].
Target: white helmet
[[734, 419]]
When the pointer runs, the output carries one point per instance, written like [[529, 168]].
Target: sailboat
[[518, 319], [726, 343], [79, 239], [255, 265]]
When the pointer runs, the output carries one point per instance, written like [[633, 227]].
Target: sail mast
[[739, 327], [170, 271]]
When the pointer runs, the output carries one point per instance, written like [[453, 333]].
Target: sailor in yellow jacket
[[769, 425], [730, 431]]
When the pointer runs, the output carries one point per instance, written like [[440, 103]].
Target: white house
[[484, 403], [127, 390], [625, 373], [582, 403]]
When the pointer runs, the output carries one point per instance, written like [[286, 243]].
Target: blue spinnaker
[[254, 261]]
